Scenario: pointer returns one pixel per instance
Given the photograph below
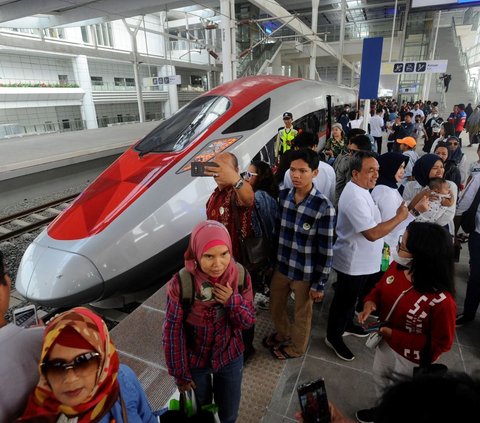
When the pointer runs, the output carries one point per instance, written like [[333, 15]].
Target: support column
[[342, 36], [402, 44], [313, 46], [82, 77], [228, 39], [171, 106], [428, 76], [136, 65]]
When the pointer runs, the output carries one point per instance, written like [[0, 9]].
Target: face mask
[[403, 261]]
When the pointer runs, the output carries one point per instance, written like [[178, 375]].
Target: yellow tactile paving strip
[[260, 375]]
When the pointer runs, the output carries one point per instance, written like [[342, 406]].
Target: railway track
[[30, 220], [34, 218]]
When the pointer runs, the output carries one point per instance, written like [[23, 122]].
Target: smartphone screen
[[314, 402], [198, 168], [25, 316]]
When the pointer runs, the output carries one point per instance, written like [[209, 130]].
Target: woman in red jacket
[[419, 288]]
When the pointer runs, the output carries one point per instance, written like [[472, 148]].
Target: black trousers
[[342, 309]]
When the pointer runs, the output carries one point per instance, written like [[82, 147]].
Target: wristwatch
[[238, 184], [415, 212]]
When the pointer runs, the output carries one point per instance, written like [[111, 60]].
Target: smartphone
[[314, 402], [198, 168], [25, 316], [373, 327]]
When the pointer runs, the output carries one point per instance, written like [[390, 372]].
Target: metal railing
[[254, 61], [67, 125]]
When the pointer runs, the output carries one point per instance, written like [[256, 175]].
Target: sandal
[[271, 341], [281, 354]]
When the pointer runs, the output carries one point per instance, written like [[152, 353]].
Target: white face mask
[[403, 261]]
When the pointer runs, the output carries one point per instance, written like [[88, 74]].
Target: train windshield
[[178, 131]]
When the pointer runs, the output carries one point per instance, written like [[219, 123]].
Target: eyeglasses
[[400, 247], [82, 365], [247, 175]]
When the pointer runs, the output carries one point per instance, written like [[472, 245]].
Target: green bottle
[[385, 257]]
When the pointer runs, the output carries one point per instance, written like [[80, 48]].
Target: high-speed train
[[128, 230]]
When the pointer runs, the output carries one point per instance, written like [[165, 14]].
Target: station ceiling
[[51, 13]]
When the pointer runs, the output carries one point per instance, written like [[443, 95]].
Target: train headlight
[[211, 150]]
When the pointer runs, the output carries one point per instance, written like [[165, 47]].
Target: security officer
[[285, 135]]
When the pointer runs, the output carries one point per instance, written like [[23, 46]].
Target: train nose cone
[[56, 278]]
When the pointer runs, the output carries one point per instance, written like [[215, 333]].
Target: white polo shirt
[[354, 254]]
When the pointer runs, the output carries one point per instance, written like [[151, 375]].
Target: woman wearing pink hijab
[[206, 340]]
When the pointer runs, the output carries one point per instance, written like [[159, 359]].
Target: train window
[[250, 120], [178, 131]]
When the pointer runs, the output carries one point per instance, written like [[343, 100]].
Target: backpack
[[467, 221], [187, 289]]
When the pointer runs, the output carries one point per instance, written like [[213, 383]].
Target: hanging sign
[[421, 66]]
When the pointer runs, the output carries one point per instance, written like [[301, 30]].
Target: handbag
[[376, 337], [467, 219], [254, 251], [187, 410], [426, 367]]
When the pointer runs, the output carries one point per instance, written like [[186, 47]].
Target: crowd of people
[[384, 223]]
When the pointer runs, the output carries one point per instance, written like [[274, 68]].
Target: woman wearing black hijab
[[427, 167]]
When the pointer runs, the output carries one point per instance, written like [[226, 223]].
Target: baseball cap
[[410, 141], [287, 115]]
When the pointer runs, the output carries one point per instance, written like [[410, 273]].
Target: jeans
[[472, 297], [342, 309], [226, 388]]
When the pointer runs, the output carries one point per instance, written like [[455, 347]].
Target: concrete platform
[[269, 386], [36, 153]]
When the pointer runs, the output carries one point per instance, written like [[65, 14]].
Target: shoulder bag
[[376, 337], [254, 251], [467, 219]]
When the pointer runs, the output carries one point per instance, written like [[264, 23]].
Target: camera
[[198, 168], [25, 316], [314, 402]]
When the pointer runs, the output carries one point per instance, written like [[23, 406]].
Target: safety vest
[[286, 137]]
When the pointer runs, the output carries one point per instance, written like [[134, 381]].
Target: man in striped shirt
[[305, 227]]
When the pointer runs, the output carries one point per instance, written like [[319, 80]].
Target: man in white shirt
[[418, 112], [357, 252], [376, 128], [472, 296], [324, 181]]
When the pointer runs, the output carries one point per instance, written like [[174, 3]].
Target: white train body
[[128, 230]]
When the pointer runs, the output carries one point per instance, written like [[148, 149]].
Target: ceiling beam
[[275, 9]]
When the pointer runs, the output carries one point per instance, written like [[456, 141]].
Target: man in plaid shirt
[[306, 228]]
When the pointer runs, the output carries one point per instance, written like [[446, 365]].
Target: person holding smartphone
[[19, 351]]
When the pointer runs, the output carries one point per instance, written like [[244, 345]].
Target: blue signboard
[[371, 64]]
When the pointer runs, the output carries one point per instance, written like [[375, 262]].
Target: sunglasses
[[82, 365], [287, 118], [247, 175], [453, 143]]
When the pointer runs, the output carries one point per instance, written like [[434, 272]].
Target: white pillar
[[428, 77], [82, 77], [228, 39], [342, 36], [136, 74], [313, 46], [172, 104]]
